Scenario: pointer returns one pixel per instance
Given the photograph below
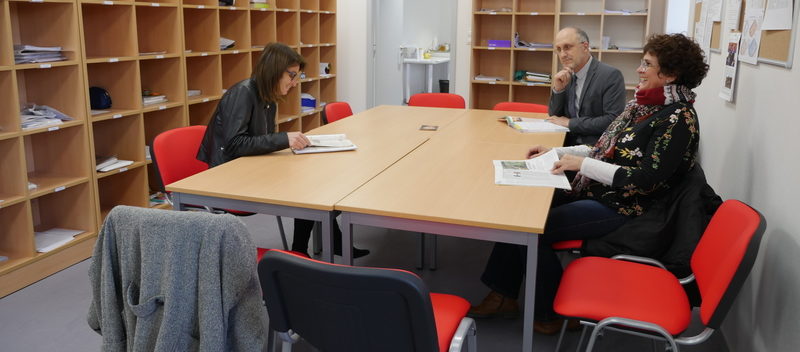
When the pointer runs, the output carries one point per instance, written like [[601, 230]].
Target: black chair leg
[[283, 234]]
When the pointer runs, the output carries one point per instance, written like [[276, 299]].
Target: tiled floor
[[51, 314]]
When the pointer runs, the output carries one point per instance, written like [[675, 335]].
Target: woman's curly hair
[[678, 56]]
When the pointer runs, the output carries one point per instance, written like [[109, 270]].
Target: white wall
[[677, 20], [749, 152], [351, 52]]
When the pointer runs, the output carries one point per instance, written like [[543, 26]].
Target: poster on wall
[[778, 15], [751, 32], [732, 12], [731, 66]]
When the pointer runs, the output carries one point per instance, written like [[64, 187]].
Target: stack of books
[[24, 54], [108, 163], [150, 98], [225, 43], [537, 77], [36, 116], [259, 4]]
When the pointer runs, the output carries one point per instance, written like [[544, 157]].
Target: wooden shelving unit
[[539, 21], [163, 46]]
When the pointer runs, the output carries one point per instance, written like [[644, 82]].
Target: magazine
[[531, 172], [323, 143], [528, 125]]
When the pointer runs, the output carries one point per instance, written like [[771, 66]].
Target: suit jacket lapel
[[588, 80]]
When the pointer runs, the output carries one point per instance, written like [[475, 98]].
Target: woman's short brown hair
[[678, 56], [275, 60]]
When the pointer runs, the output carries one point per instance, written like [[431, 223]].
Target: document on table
[[529, 125], [322, 143], [531, 172]]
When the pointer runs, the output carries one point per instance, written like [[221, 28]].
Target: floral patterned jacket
[[654, 155]]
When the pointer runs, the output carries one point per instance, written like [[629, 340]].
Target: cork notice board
[[777, 46]]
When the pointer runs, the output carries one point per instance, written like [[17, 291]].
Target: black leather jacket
[[242, 125]]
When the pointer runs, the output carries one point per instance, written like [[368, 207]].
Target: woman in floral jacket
[[643, 153]]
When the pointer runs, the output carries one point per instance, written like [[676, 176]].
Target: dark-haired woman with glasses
[[244, 123]]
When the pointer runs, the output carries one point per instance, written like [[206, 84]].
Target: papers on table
[[53, 238], [531, 172], [529, 125], [323, 143]]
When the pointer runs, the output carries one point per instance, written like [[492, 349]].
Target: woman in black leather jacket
[[244, 123]]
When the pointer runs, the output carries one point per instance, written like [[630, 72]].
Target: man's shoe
[[495, 305], [357, 252], [553, 327]]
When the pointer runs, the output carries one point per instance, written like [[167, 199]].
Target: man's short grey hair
[[583, 37]]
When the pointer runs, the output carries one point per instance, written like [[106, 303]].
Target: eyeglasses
[[292, 74], [646, 65]]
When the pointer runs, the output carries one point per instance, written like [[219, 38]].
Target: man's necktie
[[572, 97]]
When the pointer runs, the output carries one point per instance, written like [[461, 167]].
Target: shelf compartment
[[163, 76], [9, 105], [122, 138], [486, 96], [235, 24], [538, 6], [311, 87], [327, 5], [287, 27], [311, 121], [626, 31], [12, 176], [292, 124], [327, 54], [16, 242], [626, 63], [109, 31], [126, 188], [489, 27], [309, 28], [589, 23], [312, 5], [539, 29], [290, 107], [201, 30], [6, 45], [71, 208], [311, 55], [492, 63], [205, 3], [327, 29], [582, 6], [46, 24], [634, 5], [235, 68], [493, 4], [58, 87], [536, 61], [287, 4], [204, 73], [201, 113], [158, 30], [121, 81], [57, 159], [262, 28], [531, 94], [327, 91]]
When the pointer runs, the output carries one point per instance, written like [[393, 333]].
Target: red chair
[[337, 111], [639, 296], [573, 246], [346, 308], [520, 107], [175, 158], [437, 100]]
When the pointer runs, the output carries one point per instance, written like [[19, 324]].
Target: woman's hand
[[297, 140], [536, 151], [567, 163]]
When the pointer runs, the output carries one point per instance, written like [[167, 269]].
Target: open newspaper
[[527, 125], [323, 143], [531, 172]]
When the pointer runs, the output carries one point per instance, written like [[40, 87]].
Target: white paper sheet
[[778, 15], [531, 172], [732, 11], [751, 35]]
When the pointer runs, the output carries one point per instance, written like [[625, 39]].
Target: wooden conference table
[[400, 177]]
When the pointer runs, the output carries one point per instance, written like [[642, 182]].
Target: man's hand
[[562, 79], [536, 151], [559, 120], [567, 163], [297, 140]]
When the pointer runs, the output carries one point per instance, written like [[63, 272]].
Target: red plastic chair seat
[[597, 288], [520, 107], [261, 251], [437, 100], [567, 245], [448, 310]]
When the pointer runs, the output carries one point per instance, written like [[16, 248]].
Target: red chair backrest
[[724, 256], [337, 111], [175, 153], [437, 100], [520, 107]]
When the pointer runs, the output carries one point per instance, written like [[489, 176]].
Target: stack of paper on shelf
[[488, 78], [108, 163], [154, 99], [519, 43], [323, 143], [24, 54], [194, 92], [537, 77], [36, 116], [225, 43], [53, 238]]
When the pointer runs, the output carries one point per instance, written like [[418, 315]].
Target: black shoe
[[357, 252]]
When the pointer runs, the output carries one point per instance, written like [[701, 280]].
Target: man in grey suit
[[587, 94]]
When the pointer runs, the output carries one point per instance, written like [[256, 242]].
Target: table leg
[[430, 78], [347, 239], [530, 292], [407, 84], [328, 223], [176, 201]]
